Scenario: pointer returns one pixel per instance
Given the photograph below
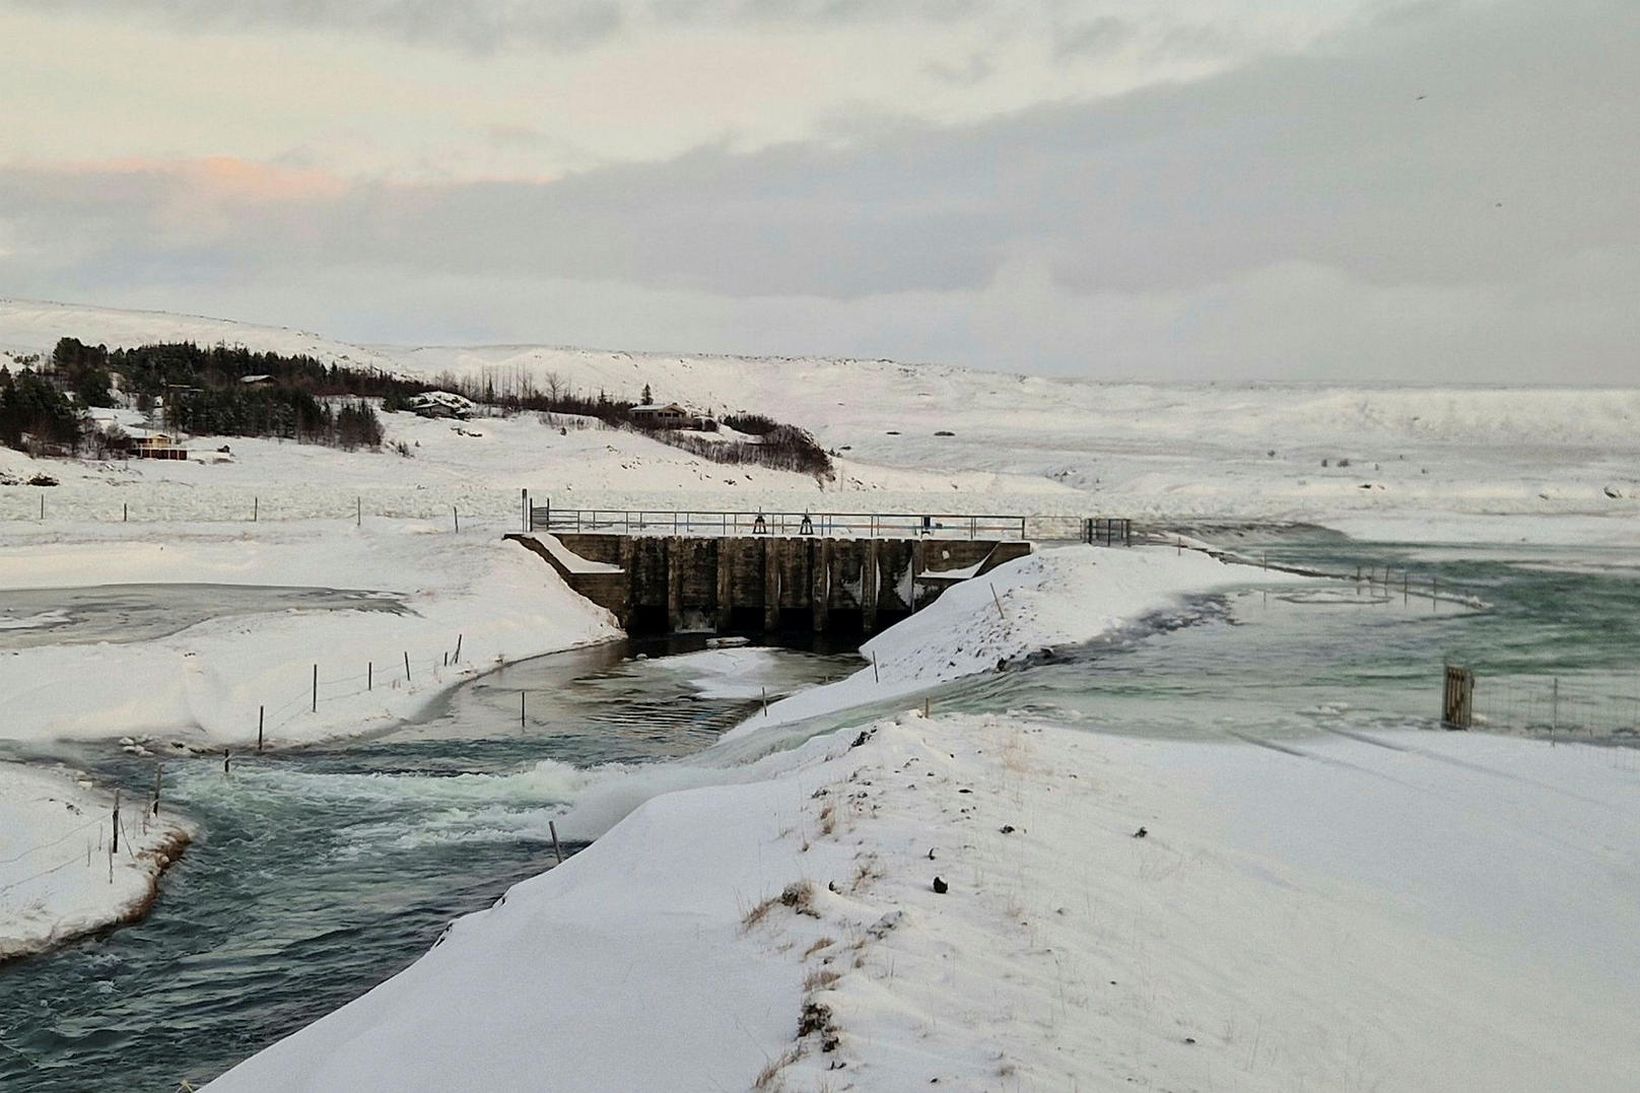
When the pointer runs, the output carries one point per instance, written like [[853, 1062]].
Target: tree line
[[204, 390]]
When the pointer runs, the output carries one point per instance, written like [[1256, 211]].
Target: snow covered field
[[59, 876], [203, 686]]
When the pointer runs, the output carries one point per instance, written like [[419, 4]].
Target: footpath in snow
[[60, 876]]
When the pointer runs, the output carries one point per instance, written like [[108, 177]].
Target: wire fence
[[391, 672], [1599, 707], [1380, 582], [113, 839], [311, 501]]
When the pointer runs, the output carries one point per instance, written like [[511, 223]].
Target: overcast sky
[[1174, 189]]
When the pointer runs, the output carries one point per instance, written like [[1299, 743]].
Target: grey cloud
[[1321, 185], [1521, 152], [485, 26], [976, 69], [1094, 38], [481, 26]]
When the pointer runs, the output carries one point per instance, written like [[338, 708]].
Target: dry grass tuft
[[770, 1074], [757, 914], [820, 979]]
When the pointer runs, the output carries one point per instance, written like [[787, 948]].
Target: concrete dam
[[656, 583]]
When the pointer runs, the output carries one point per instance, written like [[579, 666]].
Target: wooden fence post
[[1457, 703]]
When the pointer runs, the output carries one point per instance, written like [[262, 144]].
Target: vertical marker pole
[[457, 657], [521, 709], [261, 711], [157, 772], [315, 688], [116, 848], [557, 850], [407, 666]]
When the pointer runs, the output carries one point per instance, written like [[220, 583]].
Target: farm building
[[668, 415], [155, 446], [440, 404]]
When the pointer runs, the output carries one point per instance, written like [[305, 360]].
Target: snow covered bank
[[1328, 915], [59, 877], [1056, 597], [470, 598]]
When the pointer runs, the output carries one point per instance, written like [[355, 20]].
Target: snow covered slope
[[1326, 918], [59, 876], [30, 327]]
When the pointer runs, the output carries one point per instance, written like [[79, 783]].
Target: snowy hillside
[[1295, 452]]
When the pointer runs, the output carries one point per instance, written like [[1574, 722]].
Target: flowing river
[[322, 871]]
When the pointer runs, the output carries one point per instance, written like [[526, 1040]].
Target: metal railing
[[838, 525], [1097, 530]]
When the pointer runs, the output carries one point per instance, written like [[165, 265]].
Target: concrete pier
[[655, 583]]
